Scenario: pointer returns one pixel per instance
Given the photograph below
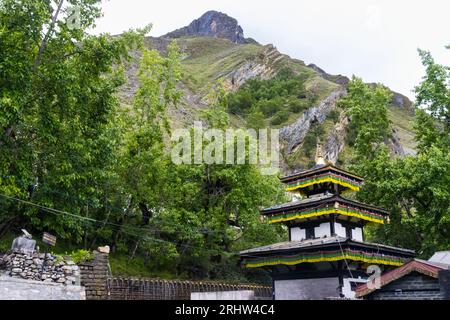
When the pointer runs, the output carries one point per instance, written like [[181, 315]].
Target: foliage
[[280, 117], [81, 256], [93, 173], [310, 142], [277, 97], [416, 190], [367, 109], [256, 119]]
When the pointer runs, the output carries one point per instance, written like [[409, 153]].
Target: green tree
[[415, 189], [58, 90], [367, 109], [256, 119]]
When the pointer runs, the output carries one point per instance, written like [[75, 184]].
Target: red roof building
[[417, 279]]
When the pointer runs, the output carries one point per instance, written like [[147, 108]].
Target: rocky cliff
[[212, 24]]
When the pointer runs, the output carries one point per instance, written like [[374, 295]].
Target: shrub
[[280, 117]]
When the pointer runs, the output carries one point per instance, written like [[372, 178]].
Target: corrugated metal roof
[[441, 257]]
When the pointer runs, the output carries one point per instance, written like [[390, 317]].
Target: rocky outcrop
[[248, 70], [263, 67], [398, 99], [212, 24], [402, 101], [294, 134], [394, 145], [339, 79], [335, 141]]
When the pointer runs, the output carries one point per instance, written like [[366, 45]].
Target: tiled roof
[[425, 267]]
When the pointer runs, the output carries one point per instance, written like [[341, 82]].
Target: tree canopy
[[415, 189], [76, 162]]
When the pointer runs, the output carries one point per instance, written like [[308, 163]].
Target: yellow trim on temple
[[344, 184], [326, 212], [324, 259]]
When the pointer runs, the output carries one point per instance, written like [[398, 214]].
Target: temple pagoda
[[326, 255]]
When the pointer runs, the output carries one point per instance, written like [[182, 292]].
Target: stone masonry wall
[[94, 276], [41, 267]]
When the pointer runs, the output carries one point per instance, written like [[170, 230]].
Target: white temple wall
[[339, 229], [322, 230], [357, 234], [347, 290], [297, 234]]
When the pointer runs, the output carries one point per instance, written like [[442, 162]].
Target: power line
[[122, 227], [200, 230], [120, 210]]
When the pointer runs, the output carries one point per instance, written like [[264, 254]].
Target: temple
[[326, 255]]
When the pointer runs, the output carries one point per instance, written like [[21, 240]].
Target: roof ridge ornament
[[320, 160]]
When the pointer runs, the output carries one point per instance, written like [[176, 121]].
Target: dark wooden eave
[[334, 242], [311, 202], [316, 171]]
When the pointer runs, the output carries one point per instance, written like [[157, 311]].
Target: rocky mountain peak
[[212, 24]]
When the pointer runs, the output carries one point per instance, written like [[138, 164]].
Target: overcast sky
[[374, 39]]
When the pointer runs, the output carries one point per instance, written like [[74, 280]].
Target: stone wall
[[22, 289], [41, 267], [94, 276]]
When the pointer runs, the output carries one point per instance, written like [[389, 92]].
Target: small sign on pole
[[49, 239]]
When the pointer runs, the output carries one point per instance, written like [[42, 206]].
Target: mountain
[[215, 49], [212, 24]]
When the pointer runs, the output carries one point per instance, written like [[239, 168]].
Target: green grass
[[122, 266], [402, 121], [209, 59]]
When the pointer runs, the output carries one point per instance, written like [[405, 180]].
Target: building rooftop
[[315, 200], [441, 257], [299, 202], [319, 169], [424, 267], [319, 242]]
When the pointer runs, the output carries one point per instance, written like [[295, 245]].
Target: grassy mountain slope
[[208, 60]]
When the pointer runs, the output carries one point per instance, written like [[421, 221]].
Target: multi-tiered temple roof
[[323, 225], [316, 180], [327, 249], [310, 209]]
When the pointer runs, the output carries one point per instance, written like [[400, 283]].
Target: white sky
[[373, 39]]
